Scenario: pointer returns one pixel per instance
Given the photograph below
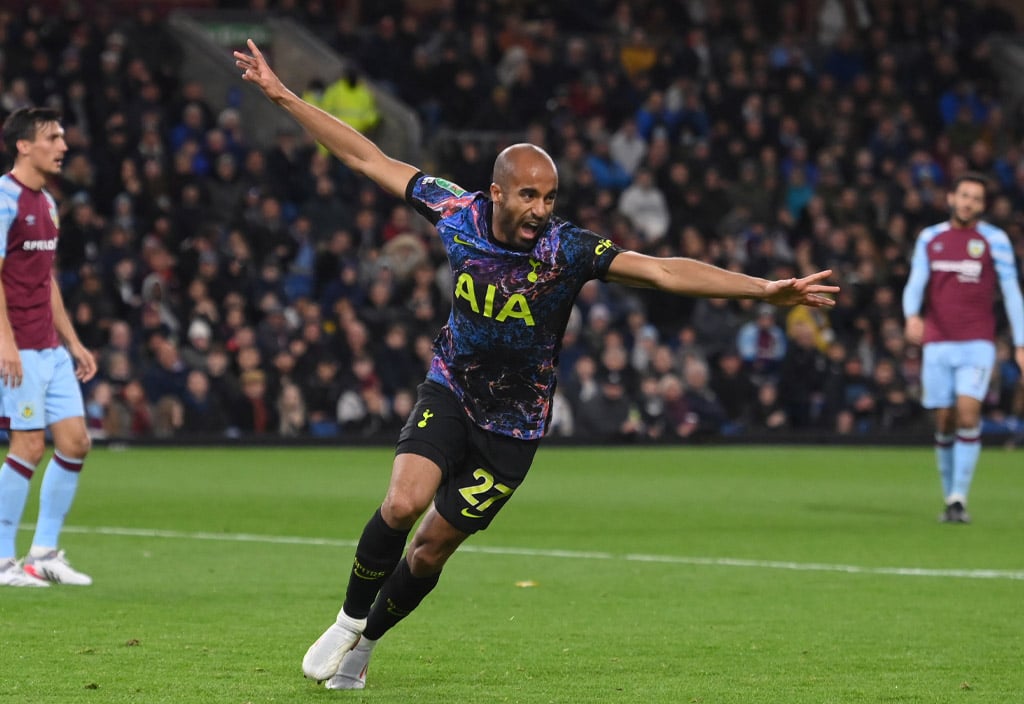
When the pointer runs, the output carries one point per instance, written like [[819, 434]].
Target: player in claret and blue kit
[[486, 402], [949, 305], [41, 357]]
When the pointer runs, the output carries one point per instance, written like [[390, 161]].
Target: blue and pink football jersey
[[499, 349]]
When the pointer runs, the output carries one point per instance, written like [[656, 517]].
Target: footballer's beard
[[511, 228]]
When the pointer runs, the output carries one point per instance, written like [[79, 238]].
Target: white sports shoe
[[54, 567], [352, 673], [12, 575], [324, 657]]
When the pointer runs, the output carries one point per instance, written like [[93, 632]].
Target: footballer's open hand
[[806, 291], [255, 69]]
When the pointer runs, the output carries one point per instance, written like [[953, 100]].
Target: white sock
[[365, 643]]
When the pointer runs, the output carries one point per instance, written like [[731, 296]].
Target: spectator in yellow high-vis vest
[[349, 99]]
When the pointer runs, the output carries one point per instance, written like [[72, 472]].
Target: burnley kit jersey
[[28, 246], [499, 349], [955, 275]]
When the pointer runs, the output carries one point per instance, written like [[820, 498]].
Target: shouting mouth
[[529, 230]]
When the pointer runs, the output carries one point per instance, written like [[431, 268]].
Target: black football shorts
[[480, 469]]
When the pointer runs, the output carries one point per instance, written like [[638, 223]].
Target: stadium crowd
[[228, 289]]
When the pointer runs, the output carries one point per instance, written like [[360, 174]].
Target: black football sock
[[379, 550], [401, 593]]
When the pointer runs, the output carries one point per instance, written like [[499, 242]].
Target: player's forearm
[[65, 331], [684, 276], [690, 277], [917, 281], [352, 148], [341, 139], [1013, 302], [6, 331], [61, 321]]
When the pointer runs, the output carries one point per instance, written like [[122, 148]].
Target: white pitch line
[[565, 554], [824, 567]]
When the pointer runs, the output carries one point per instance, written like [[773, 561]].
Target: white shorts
[[49, 391], [951, 369]]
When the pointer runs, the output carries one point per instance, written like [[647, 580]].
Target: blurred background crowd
[[229, 289]]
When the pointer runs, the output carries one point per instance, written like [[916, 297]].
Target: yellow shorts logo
[[27, 412]]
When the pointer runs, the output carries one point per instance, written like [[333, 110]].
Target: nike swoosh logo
[[469, 514], [464, 243]]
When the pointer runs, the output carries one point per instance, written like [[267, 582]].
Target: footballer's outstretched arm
[[689, 277], [345, 142]]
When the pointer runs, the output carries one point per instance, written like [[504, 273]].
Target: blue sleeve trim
[[1006, 270], [8, 212], [920, 270]]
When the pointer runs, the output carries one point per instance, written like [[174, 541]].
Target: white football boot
[[54, 567], [12, 575], [352, 673], [324, 657]]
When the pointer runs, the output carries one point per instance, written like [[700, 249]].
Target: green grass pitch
[[674, 575]]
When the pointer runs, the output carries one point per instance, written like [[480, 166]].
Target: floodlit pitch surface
[[711, 575]]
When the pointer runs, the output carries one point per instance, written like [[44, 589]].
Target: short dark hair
[[23, 123], [972, 177]]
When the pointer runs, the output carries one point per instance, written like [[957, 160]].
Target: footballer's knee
[[71, 438], [945, 421], [968, 414], [400, 512], [75, 447]]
